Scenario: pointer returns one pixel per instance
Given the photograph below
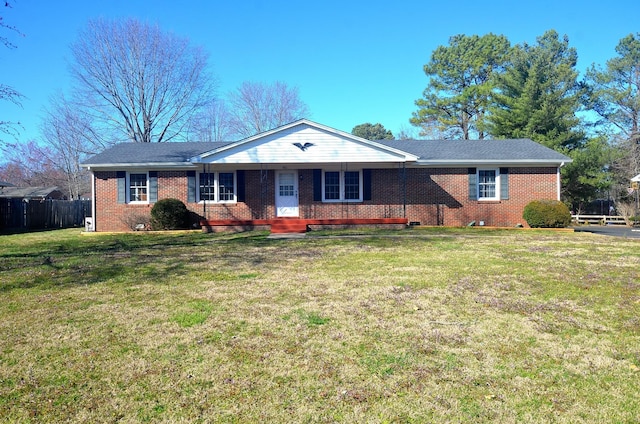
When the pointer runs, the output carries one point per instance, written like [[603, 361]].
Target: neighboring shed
[[40, 208], [30, 193]]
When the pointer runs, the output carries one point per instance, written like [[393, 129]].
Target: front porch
[[295, 225]]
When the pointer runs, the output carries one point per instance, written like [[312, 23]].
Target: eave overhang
[[138, 165], [479, 162]]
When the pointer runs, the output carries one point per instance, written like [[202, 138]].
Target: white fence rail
[[598, 219]]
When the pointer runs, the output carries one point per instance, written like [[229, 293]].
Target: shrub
[[169, 214], [547, 214], [137, 221], [627, 210]]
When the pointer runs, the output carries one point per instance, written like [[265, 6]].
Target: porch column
[[93, 201], [403, 180]]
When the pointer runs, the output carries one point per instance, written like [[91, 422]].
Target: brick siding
[[431, 196]]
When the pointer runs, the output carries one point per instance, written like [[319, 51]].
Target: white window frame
[[342, 186], [497, 184], [216, 187], [128, 188]]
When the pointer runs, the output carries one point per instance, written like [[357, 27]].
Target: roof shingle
[[428, 151], [516, 150], [132, 153]]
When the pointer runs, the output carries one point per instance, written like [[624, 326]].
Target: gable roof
[[252, 150], [289, 144], [248, 150]]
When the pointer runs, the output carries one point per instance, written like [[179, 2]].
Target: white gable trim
[[329, 145]]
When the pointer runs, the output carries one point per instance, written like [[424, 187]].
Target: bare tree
[[8, 93], [212, 123], [408, 132], [68, 133], [141, 84], [258, 107], [30, 164], [3, 39], [8, 128]]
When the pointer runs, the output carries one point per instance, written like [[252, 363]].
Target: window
[[332, 186], [286, 184], [138, 188], [488, 184], [352, 185], [226, 189], [217, 187], [342, 186], [207, 186]]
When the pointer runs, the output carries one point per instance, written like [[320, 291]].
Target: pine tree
[[538, 95], [372, 131], [460, 85], [615, 97]]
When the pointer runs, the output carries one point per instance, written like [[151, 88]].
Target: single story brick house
[[305, 174]]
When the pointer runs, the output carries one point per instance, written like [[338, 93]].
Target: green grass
[[422, 325], [193, 313]]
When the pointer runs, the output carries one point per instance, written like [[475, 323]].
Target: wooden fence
[[598, 219], [43, 214]]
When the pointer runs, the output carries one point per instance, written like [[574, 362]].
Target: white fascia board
[[449, 163]]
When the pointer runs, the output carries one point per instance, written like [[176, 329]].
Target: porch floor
[[296, 225]]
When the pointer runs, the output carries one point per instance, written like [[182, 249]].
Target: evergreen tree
[[538, 95], [615, 97], [372, 132], [460, 86], [588, 176]]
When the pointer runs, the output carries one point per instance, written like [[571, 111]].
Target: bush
[[137, 221], [627, 210], [547, 214], [169, 214]]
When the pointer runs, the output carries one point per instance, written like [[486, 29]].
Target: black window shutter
[[241, 186], [504, 183], [366, 184], [153, 186], [473, 184], [191, 186], [122, 186], [317, 185]]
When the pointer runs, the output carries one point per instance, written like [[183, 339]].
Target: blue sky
[[352, 61]]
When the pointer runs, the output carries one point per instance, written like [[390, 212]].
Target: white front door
[[287, 193]]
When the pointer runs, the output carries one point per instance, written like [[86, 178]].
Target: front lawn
[[435, 325]]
